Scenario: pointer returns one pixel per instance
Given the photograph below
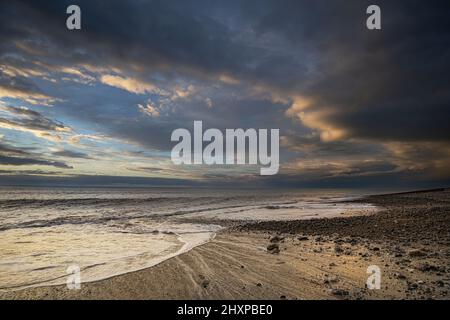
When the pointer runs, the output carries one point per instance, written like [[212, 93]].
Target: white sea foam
[[40, 256]]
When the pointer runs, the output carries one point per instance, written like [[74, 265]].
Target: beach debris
[[302, 238], [273, 248]]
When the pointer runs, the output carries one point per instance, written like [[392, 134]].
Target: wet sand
[[408, 239]]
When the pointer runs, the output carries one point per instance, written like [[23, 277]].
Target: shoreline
[[186, 247], [317, 259]]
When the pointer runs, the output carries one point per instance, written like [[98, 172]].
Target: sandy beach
[[408, 239]]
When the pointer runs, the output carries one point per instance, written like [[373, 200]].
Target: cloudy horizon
[[355, 107]]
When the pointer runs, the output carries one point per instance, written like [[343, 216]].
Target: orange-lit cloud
[[129, 84]]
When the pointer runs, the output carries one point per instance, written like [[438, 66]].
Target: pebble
[[273, 248], [205, 283], [275, 239], [339, 292]]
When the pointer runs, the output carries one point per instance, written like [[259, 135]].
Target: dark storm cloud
[[171, 37], [150, 32], [314, 147], [10, 150], [16, 173], [23, 118], [364, 89], [19, 87], [383, 85], [10, 155], [18, 84], [387, 85], [71, 154], [16, 161]]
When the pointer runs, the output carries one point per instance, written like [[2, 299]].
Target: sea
[[46, 233]]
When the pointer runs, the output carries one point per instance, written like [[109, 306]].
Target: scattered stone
[[400, 276], [405, 261], [330, 280], [339, 292], [303, 238], [338, 249], [275, 239], [426, 267], [440, 283], [412, 286], [273, 248], [205, 283]]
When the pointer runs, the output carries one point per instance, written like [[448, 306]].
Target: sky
[[97, 106]]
